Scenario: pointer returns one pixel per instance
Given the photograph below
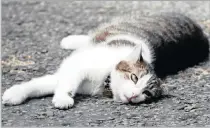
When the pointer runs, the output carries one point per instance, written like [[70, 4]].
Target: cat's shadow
[[80, 98], [154, 100]]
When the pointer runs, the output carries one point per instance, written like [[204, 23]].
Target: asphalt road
[[31, 32]]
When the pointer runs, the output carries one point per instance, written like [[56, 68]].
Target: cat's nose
[[132, 97]]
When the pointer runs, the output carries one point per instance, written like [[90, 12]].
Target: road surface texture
[[31, 33]]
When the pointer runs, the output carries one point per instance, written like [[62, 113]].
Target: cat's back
[[156, 28], [176, 40]]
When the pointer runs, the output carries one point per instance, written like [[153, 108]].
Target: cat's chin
[[125, 100], [118, 100]]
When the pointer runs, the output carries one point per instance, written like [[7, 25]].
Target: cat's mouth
[[146, 95], [130, 99]]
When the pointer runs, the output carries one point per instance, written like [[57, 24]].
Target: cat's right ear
[[135, 55], [141, 59]]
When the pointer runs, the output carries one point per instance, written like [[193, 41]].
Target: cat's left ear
[[136, 54]]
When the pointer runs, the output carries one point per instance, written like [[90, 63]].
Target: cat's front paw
[[63, 101], [14, 95]]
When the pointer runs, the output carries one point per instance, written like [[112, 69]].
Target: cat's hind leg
[[75, 41], [37, 87]]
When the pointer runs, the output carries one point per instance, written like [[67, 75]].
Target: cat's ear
[[140, 58], [136, 54]]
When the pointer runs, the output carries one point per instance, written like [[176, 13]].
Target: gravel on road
[[31, 32]]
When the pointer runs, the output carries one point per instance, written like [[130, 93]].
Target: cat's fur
[[134, 50]]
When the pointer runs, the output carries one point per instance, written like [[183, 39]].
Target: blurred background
[[31, 33]]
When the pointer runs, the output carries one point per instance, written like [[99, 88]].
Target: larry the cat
[[135, 51]]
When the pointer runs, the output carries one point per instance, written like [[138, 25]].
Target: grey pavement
[[31, 32]]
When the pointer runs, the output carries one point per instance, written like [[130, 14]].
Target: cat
[[135, 51]]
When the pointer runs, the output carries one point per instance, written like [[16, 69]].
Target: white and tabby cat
[[135, 51]]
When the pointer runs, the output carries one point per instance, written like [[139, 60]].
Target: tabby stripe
[[120, 42], [146, 50]]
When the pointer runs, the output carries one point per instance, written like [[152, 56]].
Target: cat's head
[[133, 79]]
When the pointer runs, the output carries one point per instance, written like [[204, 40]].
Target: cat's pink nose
[[132, 97]]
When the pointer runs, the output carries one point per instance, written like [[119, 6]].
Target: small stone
[[61, 116], [136, 118], [101, 119], [126, 108], [24, 111], [79, 112], [189, 101], [44, 51], [50, 113], [41, 69], [116, 113], [181, 108], [35, 68], [18, 78], [207, 115], [144, 105], [9, 121], [5, 69], [128, 115], [147, 116], [190, 108], [40, 117], [42, 114], [8, 124], [66, 124], [111, 118]]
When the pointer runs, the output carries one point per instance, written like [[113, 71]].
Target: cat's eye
[[134, 78], [147, 93]]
